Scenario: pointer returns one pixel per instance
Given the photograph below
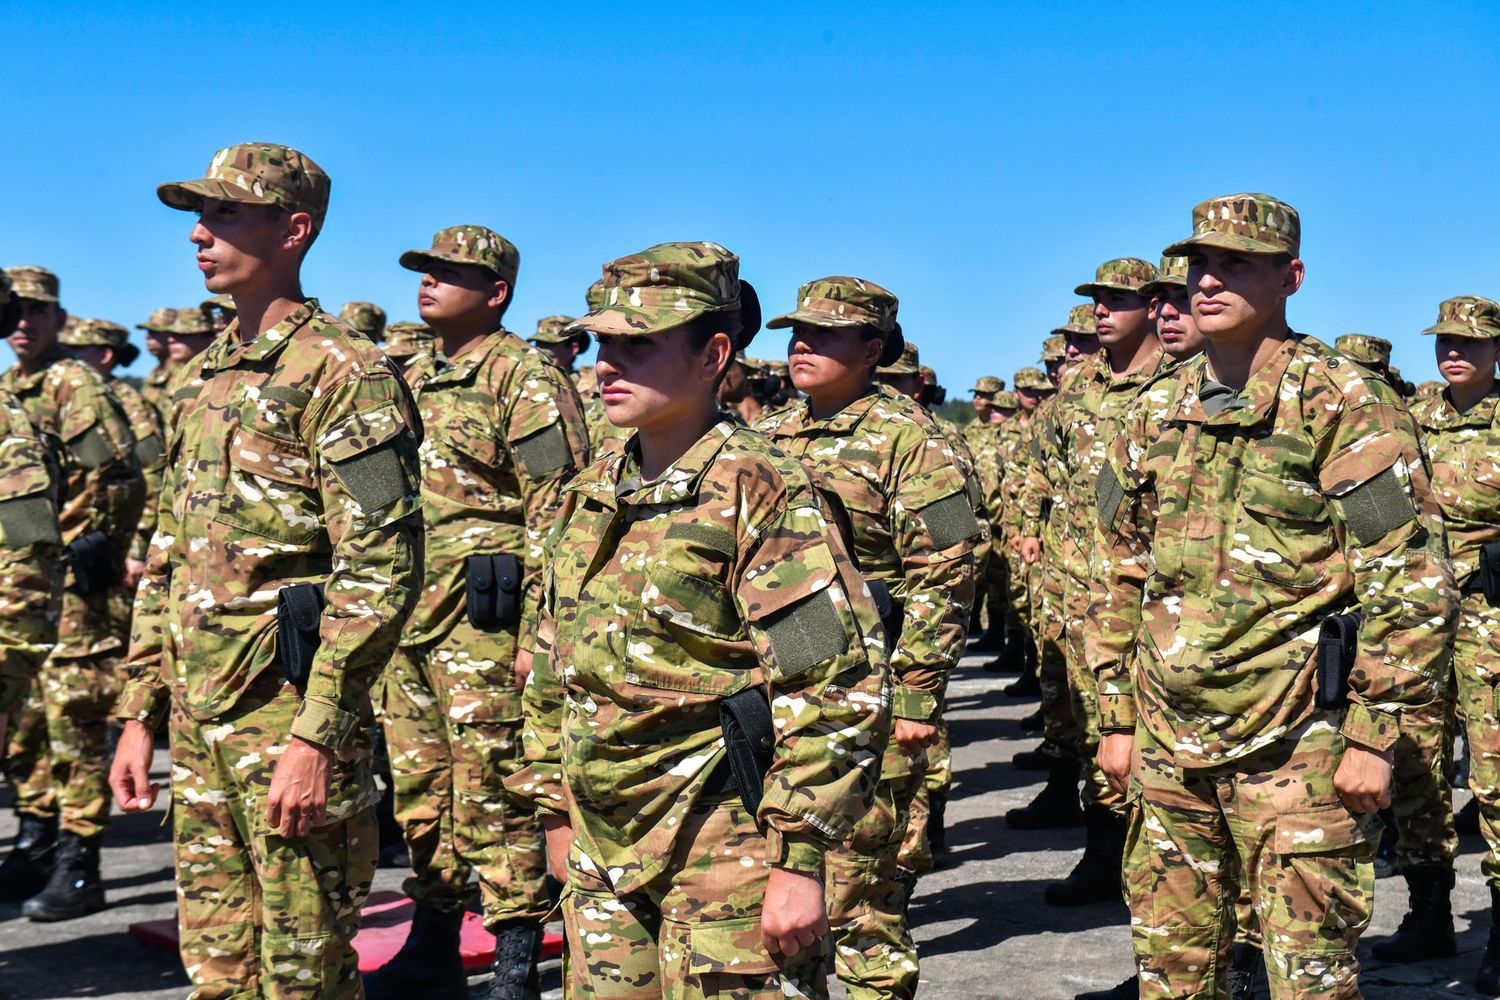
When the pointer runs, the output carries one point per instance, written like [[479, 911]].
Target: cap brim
[[33, 297], [1460, 330], [812, 318], [1223, 241], [1093, 288], [614, 323], [187, 196], [898, 370], [421, 260], [1151, 288]]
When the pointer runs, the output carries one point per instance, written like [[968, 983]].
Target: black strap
[[92, 559], [1338, 642], [749, 737], [299, 615]]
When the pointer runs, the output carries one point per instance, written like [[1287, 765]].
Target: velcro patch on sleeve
[[807, 634], [373, 478], [92, 448], [950, 520], [1376, 507], [544, 452], [1110, 496], [28, 520]]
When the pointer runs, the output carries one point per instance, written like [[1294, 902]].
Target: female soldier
[[913, 527], [1461, 438], [693, 577]]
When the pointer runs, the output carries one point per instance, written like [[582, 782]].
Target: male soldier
[[220, 310], [366, 317], [1083, 423], [59, 737], [184, 334], [504, 434], [293, 488], [154, 385], [741, 390], [563, 347], [1031, 387], [1171, 310], [412, 347], [982, 437], [1281, 487]]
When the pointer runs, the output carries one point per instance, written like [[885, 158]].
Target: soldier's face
[[1122, 318], [983, 403], [1081, 347], [459, 295], [830, 360], [1029, 398], [36, 333], [657, 381], [246, 247], [1173, 310], [1238, 293], [185, 347], [1465, 361], [156, 345], [101, 359]]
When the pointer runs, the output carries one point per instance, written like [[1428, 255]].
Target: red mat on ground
[[382, 931]]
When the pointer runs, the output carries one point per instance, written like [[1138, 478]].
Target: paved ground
[[982, 925]]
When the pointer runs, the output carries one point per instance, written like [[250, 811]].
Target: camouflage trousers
[[916, 849], [1270, 821], [1421, 796], [1476, 665], [693, 931], [874, 954], [995, 582], [1061, 723], [58, 756], [1018, 588], [1084, 685], [260, 915], [449, 759]]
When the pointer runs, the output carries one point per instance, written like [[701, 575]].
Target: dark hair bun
[[749, 315]]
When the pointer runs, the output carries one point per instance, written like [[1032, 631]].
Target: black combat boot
[[1244, 968], [29, 864], [428, 965], [1427, 929], [937, 834], [1096, 877], [976, 617], [1025, 686], [1466, 823], [1056, 806], [74, 890], [1488, 980], [1033, 723], [518, 947], [1040, 759], [1128, 990]]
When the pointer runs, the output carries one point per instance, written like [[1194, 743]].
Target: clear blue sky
[[977, 159]]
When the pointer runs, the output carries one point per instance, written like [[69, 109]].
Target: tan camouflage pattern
[[366, 317], [988, 384], [1365, 349], [841, 301], [549, 330], [1248, 223], [257, 173], [1171, 271], [1054, 349], [155, 390], [1033, 379], [1467, 316], [1123, 274], [472, 245], [31, 282], [151, 456], [909, 363], [1081, 322], [31, 568], [661, 288], [159, 320]]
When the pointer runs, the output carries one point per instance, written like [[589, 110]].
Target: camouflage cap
[[1033, 379], [31, 282], [221, 302], [1365, 349], [779, 368], [1472, 316], [549, 330], [366, 317], [256, 173], [754, 367], [987, 384], [842, 301], [1054, 348], [189, 322], [1081, 322], [158, 321], [666, 286], [403, 340], [929, 375], [1171, 271], [907, 363], [1123, 274], [474, 245], [1007, 401], [101, 333], [4, 288], [595, 295], [1249, 223]]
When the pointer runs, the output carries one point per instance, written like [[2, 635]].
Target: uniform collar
[[1253, 404], [17, 380], [1439, 413], [446, 369], [227, 352], [1101, 371], [679, 480], [800, 419]]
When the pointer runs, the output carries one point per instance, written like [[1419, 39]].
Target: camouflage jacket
[[150, 454], [664, 597], [1023, 471], [1463, 453], [503, 435], [294, 462], [912, 522], [102, 490], [31, 561], [1227, 532], [156, 389], [1073, 445]]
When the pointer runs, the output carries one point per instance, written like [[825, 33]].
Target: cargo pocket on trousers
[[1322, 893], [721, 948]]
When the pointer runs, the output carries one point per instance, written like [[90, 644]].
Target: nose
[[200, 235], [1100, 310]]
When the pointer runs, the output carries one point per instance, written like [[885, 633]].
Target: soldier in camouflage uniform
[[905, 502], [293, 467], [154, 385], [563, 348], [1460, 439], [743, 390], [366, 317], [412, 347], [697, 568], [1255, 491], [604, 435], [1375, 354], [186, 334], [981, 435], [220, 310], [504, 434], [57, 760]]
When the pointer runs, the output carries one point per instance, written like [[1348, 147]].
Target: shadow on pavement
[[1003, 910], [99, 965]]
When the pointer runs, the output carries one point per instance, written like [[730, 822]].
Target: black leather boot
[[1056, 806], [1040, 759], [1128, 990], [1466, 823], [518, 947], [29, 864], [428, 965], [74, 889], [1427, 929], [1025, 686], [1096, 877], [1488, 980], [1033, 723], [1244, 968]]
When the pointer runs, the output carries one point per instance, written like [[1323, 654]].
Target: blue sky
[[977, 159]]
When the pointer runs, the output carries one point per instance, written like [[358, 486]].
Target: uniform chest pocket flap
[[688, 636], [1282, 534], [270, 487]]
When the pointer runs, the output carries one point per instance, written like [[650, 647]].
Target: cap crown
[[1253, 223], [94, 333], [1007, 400], [1080, 322], [549, 329], [1127, 274], [663, 287], [1032, 378], [404, 339], [469, 245], [929, 375], [1364, 348], [189, 322], [1054, 348], [987, 383], [1468, 316], [1172, 270], [595, 295], [840, 300], [31, 282], [261, 173], [366, 317], [909, 363]]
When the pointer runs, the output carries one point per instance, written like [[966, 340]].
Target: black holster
[[299, 613], [494, 591], [1489, 572], [749, 738], [890, 611], [92, 559], [1337, 642]]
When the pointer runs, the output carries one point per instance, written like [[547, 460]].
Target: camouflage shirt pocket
[[688, 635], [1282, 532], [270, 487]]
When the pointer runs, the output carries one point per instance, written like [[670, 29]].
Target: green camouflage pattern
[[256, 173], [1081, 323], [471, 245], [31, 282], [1171, 271], [160, 319], [841, 301], [1054, 348], [1007, 402], [1319, 499], [549, 330], [1248, 223], [987, 384], [366, 317], [1123, 274], [1033, 379], [909, 363], [1365, 349], [410, 343], [151, 455], [661, 288], [1467, 316]]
